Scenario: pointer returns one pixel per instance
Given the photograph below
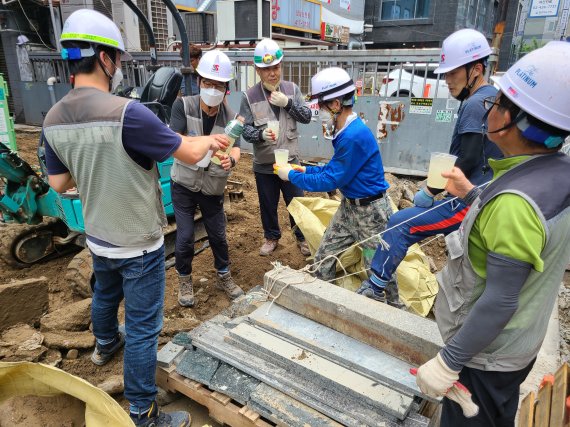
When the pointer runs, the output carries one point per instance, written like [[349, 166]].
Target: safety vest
[[262, 113], [518, 344], [121, 201], [211, 180]]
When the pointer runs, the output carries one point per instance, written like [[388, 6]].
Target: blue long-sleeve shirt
[[355, 169]]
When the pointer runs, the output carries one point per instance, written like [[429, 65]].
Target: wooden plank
[[560, 390], [542, 407], [220, 406], [526, 411]]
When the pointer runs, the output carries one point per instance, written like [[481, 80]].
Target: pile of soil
[[245, 236]]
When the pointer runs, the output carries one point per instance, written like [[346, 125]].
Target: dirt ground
[[245, 236]]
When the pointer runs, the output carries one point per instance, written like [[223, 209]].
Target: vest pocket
[[215, 180], [451, 277], [189, 176]]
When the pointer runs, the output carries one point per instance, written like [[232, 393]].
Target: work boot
[[104, 353], [392, 295], [268, 247], [226, 283], [371, 291], [156, 418], [185, 290], [304, 248]]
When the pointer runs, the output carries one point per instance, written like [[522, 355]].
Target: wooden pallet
[[221, 407], [550, 406]]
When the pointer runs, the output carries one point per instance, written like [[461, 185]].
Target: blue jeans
[[443, 220], [140, 281]]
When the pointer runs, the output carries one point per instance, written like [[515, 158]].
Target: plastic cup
[[206, 160], [438, 163], [274, 126], [281, 156]]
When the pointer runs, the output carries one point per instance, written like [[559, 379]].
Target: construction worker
[[107, 147], [355, 169], [195, 56], [507, 260], [203, 187], [273, 99], [463, 61]]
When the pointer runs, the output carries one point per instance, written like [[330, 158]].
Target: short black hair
[[482, 61], [87, 65]]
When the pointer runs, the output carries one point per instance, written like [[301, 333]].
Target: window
[[391, 10]]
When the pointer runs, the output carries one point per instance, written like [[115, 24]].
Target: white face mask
[[116, 79], [327, 120], [211, 96]]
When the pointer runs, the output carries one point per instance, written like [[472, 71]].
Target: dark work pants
[[185, 203], [269, 187], [496, 393]]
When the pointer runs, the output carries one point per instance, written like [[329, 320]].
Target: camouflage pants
[[352, 224]]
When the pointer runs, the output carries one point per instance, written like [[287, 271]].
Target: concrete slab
[[281, 409], [168, 354], [401, 334], [183, 339], [211, 337], [198, 366], [337, 347], [233, 383], [321, 371]]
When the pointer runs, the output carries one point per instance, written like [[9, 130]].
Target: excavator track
[[22, 245]]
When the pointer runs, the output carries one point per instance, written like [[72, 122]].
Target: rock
[[172, 326], [68, 340], [113, 385], [72, 354], [17, 334], [164, 397], [29, 355], [32, 343], [203, 280], [23, 301], [52, 358], [73, 317]]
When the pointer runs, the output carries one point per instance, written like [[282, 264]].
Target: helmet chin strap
[[464, 94]]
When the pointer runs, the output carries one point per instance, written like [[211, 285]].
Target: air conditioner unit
[[238, 20], [201, 27]]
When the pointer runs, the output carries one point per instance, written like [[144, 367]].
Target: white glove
[[282, 171], [268, 135], [435, 378], [279, 99]]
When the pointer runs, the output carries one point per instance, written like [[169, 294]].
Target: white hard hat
[[331, 83], [90, 26], [215, 65], [538, 84], [267, 53], [462, 47]]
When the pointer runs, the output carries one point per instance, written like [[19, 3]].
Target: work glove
[[279, 99], [423, 199], [298, 168], [268, 135], [435, 378], [282, 171], [459, 394]]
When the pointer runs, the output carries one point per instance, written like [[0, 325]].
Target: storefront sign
[[300, 15], [335, 33], [543, 8]]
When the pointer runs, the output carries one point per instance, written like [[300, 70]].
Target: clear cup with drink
[[281, 156], [273, 125], [438, 163]]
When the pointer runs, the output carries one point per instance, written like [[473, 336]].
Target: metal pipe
[[56, 32], [50, 82], [205, 5]]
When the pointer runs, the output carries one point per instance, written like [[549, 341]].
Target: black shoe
[[156, 418], [392, 295], [370, 291], [104, 353]]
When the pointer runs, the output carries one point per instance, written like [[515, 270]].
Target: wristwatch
[[233, 162]]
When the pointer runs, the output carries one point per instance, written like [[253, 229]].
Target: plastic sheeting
[[26, 378], [416, 284]]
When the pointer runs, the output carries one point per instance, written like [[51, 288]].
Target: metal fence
[[406, 69], [405, 106]]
